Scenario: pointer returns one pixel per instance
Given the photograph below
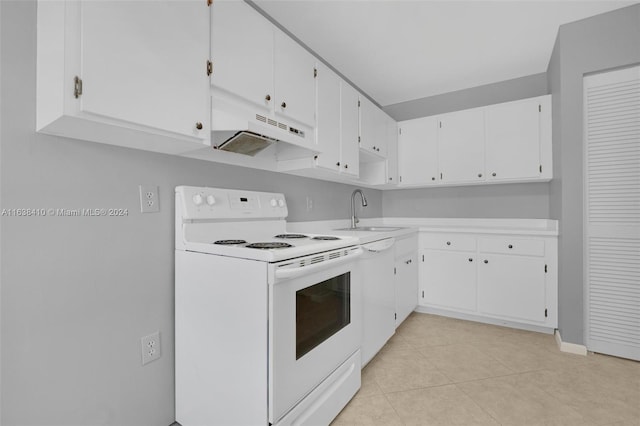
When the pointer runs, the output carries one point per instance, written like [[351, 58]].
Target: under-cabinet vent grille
[[261, 118], [282, 126], [272, 122]]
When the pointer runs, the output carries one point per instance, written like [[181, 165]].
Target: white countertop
[[539, 227]]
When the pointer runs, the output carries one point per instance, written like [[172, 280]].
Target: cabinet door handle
[[338, 164], [283, 105], [448, 243], [493, 174], [433, 178], [480, 175], [470, 259], [199, 125], [486, 261], [510, 246], [346, 166], [268, 97], [374, 148]]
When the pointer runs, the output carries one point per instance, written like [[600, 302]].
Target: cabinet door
[[328, 118], [513, 140], [512, 287], [448, 280], [406, 286], [461, 146], [294, 80], [418, 151], [242, 60], [349, 130], [372, 128], [146, 64], [392, 151]]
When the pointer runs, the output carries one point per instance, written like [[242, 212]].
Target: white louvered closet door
[[612, 212]]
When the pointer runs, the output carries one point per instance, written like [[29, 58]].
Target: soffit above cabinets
[[400, 50]]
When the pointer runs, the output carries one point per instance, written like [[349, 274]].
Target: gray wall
[[603, 42], [528, 200], [504, 91], [78, 293]]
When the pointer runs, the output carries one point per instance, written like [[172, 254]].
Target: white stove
[[244, 224], [268, 323]]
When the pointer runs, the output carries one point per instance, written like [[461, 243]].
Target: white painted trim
[[571, 348], [485, 320]]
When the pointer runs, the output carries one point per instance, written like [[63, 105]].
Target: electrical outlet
[[150, 347], [149, 199]]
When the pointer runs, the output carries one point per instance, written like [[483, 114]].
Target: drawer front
[[512, 246], [457, 242], [406, 246]]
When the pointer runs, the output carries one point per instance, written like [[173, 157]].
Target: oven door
[[315, 315]]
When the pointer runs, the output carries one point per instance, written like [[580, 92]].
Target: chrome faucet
[[354, 219]]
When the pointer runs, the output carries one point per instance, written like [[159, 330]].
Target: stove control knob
[[197, 199], [211, 200], [273, 202], [281, 203]]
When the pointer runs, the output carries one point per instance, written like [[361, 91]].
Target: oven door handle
[[286, 273]]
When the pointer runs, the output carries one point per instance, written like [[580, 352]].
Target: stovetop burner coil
[[270, 245], [229, 242], [287, 236], [325, 238]]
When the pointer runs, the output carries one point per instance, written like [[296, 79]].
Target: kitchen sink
[[372, 228]]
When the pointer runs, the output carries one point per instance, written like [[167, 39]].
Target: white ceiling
[[400, 50]]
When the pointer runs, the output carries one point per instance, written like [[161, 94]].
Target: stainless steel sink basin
[[372, 228]]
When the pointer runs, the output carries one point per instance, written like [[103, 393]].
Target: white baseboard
[[571, 348]]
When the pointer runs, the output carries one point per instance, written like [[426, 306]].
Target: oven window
[[321, 311]]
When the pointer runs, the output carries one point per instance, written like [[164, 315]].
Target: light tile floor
[[443, 371]]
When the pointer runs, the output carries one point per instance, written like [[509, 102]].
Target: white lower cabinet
[[406, 277], [512, 287], [450, 280], [505, 279]]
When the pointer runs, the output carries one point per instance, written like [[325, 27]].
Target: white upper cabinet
[[392, 151], [461, 146], [242, 60], [294, 80], [508, 142], [418, 151], [124, 73], [349, 130], [513, 145], [328, 129], [262, 65], [372, 128]]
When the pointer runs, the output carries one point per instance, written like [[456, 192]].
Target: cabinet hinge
[[358, 139], [545, 269], [423, 294], [395, 315], [394, 271], [423, 261], [539, 108], [77, 87], [209, 67], [400, 178], [440, 124], [545, 312], [540, 168], [399, 130], [358, 104], [440, 176], [315, 72]]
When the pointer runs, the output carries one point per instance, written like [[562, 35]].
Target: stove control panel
[[203, 203]]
